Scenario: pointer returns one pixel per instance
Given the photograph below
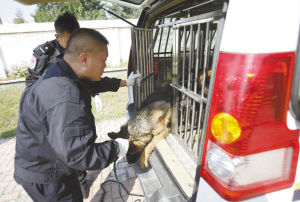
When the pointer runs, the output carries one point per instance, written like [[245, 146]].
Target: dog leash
[[120, 185]]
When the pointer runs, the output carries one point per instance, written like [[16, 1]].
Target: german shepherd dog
[[147, 127]]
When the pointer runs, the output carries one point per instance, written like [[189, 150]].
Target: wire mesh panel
[[142, 54], [194, 48]]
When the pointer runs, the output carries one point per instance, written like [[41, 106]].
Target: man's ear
[[57, 36], [83, 58]]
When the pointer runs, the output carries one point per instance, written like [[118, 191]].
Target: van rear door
[[295, 96], [138, 4]]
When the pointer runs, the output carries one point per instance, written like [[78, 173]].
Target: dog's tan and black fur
[[147, 127]]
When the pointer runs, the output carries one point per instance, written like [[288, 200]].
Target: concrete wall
[[18, 40]]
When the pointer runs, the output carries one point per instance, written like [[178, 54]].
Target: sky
[[9, 8]]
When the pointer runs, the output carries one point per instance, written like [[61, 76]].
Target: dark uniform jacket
[[56, 131], [43, 56]]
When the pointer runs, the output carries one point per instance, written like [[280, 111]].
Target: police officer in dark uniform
[[51, 51], [56, 132]]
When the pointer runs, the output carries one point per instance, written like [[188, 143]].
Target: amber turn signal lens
[[225, 128]]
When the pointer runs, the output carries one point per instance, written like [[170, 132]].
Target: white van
[[234, 67]]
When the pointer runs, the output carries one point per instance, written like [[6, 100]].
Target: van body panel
[[206, 193], [261, 26]]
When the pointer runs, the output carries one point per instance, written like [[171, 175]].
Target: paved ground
[[11, 191]]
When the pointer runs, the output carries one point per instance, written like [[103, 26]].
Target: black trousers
[[67, 190]]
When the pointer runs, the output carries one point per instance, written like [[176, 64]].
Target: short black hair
[[66, 22], [85, 40]]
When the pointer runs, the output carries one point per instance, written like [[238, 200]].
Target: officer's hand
[[123, 146], [132, 77], [98, 102]]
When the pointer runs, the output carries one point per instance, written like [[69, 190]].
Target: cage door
[[142, 58], [193, 63]]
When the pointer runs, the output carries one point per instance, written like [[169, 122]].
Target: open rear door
[[31, 2], [295, 96], [138, 4]]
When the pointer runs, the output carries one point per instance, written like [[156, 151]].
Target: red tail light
[[249, 149]]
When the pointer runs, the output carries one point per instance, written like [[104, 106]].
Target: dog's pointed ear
[[113, 135], [124, 132]]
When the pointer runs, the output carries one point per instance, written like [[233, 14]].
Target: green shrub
[[18, 71]]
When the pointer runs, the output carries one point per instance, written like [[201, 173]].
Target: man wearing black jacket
[[51, 52], [56, 132]]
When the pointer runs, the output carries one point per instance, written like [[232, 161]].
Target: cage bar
[[142, 54], [195, 60]]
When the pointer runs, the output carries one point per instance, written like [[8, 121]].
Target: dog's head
[[123, 133], [140, 135], [136, 146], [136, 142]]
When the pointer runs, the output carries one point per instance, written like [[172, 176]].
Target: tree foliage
[[19, 18], [124, 12], [83, 10]]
